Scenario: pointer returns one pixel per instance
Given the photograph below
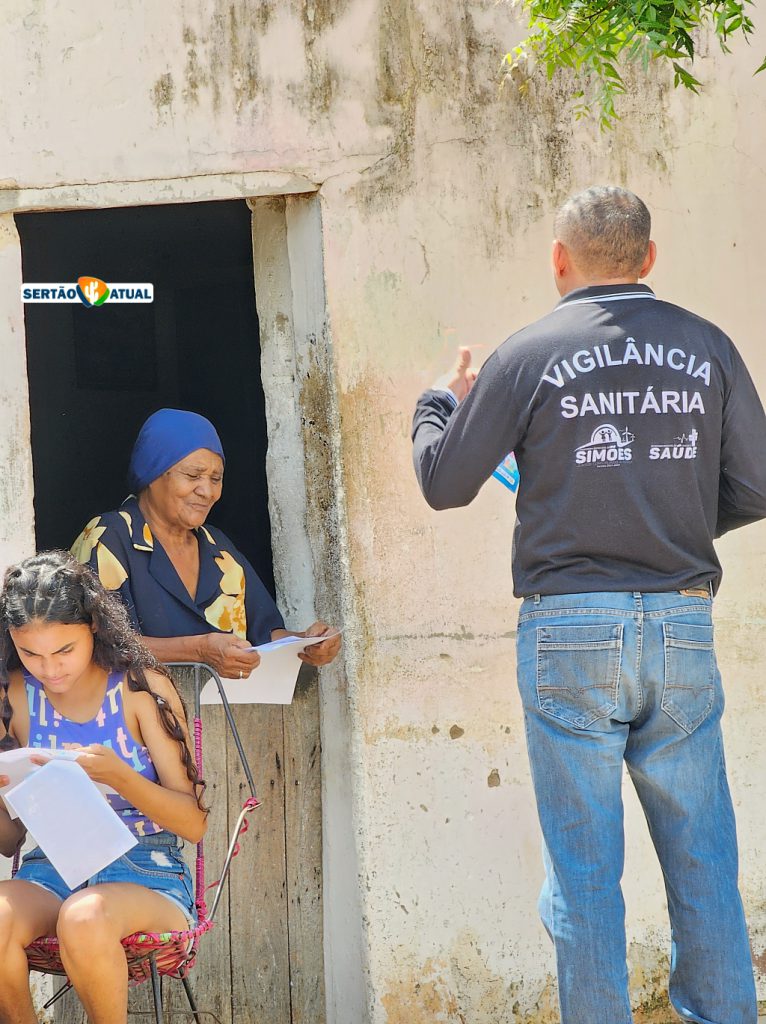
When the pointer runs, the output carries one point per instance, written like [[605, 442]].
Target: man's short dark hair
[[606, 229]]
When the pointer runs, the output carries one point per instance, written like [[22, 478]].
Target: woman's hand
[[228, 655], [323, 653]]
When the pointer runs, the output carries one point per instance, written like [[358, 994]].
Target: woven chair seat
[[175, 953]]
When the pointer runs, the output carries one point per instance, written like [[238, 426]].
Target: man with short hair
[[639, 437]]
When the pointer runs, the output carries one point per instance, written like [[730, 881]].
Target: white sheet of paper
[[16, 764], [69, 819], [273, 682]]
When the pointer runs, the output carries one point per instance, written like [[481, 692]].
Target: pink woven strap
[[199, 870], [198, 744], [249, 805], [144, 939]]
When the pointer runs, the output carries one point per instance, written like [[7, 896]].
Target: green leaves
[[595, 39], [683, 77]]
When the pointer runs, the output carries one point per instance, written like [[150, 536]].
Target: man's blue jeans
[[613, 677]]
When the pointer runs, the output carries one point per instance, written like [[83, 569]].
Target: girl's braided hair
[[54, 587]]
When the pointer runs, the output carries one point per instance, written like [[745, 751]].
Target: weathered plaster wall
[[461, 237], [436, 192], [17, 531], [16, 512]]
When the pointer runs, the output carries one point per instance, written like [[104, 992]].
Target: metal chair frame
[[172, 953]]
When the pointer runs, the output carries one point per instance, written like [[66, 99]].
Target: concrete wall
[[436, 193]]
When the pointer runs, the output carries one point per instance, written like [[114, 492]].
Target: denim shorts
[[156, 863]]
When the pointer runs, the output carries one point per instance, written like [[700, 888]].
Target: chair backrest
[[201, 674]]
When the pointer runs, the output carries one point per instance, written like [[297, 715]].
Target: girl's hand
[[4, 780], [321, 654], [99, 763]]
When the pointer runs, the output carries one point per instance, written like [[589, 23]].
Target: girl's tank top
[[49, 729]]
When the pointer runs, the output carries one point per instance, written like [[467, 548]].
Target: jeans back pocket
[[690, 673], [578, 671]]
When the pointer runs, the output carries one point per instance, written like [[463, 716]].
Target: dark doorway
[[96, 374]]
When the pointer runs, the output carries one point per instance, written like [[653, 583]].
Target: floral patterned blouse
[[230, 597]]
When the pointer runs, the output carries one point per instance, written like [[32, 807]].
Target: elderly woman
[[187, 589]]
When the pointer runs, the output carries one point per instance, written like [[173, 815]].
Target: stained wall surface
[[437, 190]]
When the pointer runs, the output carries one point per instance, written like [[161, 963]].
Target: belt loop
[[536, 599]]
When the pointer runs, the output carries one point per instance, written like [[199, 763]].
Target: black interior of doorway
[[96, 374]]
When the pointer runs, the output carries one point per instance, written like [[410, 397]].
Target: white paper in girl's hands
[[70, 821], [17, 764], [273, 681]]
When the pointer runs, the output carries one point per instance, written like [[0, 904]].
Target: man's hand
[[463, 376]]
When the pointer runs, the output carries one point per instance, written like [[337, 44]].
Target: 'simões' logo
[[607, 447], [90, 291]]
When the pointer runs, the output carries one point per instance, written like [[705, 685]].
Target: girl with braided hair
[[75, 676]]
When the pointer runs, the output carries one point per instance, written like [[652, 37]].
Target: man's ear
[[651, 256], [559, 259]]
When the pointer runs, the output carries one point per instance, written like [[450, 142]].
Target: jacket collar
[[606, 293], [160, 566]]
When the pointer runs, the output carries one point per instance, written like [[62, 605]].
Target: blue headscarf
[[168, 436]]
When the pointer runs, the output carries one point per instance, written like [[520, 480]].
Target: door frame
[[305, 480]]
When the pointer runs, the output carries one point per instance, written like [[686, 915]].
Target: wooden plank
[[140, 1003], [258, 886], [303, 828], [68, 1010], [211, 976]]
